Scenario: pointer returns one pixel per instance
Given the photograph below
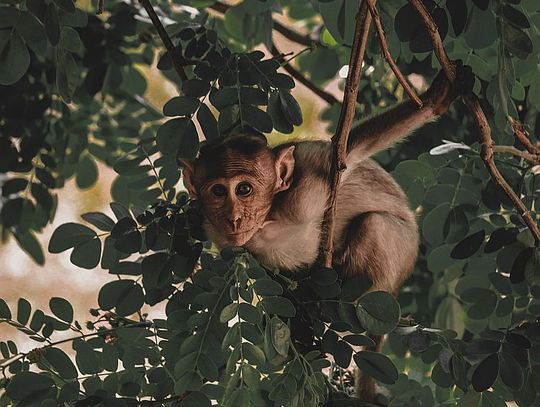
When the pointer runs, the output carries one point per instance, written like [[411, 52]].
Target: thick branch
[[176, 58], [326, 96], [532, 158], [522, 136], [280, 28], [339, 141], [471, 101], [384, 48]]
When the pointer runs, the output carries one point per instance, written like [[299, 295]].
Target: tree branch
[[384, 48], [280, 28], [326, 96], [472, 103], [522, 135], [177, 60], [339, 141], [532, 158]]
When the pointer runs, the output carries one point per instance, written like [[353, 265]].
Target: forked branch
[[339, 141], [388, 57], [484, 131]]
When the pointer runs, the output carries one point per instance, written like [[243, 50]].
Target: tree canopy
[[465, 329]]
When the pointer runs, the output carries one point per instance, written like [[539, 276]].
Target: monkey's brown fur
[[279, 220]]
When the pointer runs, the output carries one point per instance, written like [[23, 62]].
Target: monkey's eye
[[243, 189], [219, 190]]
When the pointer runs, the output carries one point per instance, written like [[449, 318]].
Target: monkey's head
[[236, 179]]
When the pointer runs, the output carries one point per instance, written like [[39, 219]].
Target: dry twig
[[532, 158], [384, 48], [326, 96], [339, 141], [176, 58], [471, 101]]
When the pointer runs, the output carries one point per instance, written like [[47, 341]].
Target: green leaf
[[208, 122], [23, 311], [196, 88], [87, 172], [224, 97], [61, 308], [14, 59], [66, 5], [267, 286], [32, 32], [27, 385], [178, 136], [275, 111], [281, 336], [28, 242], [181, 106], [99, 220], [61, 363], [86, 254], [8, 16], [376, 365], [69, 235], [86, 358], [510, 370], [70, 40], [290, 108], [125, 295], [279, 306], [4, 310], [52, 25], [249, 313], [207, 368], [468, 246], [515, 17], [378, 312], [14, 185], [228, 313], [485, 373], [517, 41]]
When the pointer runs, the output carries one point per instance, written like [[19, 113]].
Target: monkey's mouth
[[239, 238]]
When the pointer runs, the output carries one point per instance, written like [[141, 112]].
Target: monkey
[[272, 201]]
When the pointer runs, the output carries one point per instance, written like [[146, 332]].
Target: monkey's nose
[[235, 221]]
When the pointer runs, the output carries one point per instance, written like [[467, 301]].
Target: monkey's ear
[[284, 168], [187, 176]]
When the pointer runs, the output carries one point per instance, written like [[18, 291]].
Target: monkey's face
[[236, 181], [236, 207]]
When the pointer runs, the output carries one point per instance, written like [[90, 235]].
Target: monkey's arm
[[380, 132]]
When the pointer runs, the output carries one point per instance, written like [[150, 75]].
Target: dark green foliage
[[234, 333]]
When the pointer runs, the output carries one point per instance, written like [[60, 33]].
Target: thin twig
[[532, 158], [522, 135], [176, 58], [433, 32], [473, 104], [384, 47], [339, 141], [280, 28], [326, 96]]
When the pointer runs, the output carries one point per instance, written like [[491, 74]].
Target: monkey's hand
[[442, 92]]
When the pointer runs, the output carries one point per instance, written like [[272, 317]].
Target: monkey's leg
[[383, 247]]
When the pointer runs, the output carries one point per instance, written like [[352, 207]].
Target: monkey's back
[[290, 239]]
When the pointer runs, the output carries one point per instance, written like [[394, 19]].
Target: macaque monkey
[[272, 200]]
